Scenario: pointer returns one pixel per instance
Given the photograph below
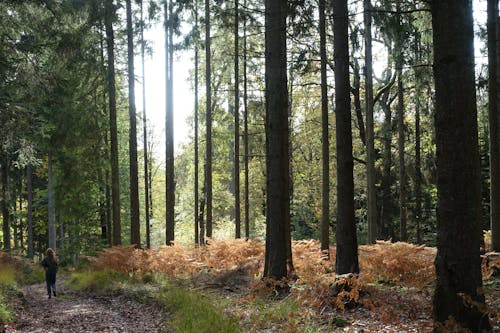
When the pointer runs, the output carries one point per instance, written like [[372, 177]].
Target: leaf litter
[[393, 293]]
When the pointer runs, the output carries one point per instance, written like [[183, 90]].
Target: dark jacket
[[50, 264]]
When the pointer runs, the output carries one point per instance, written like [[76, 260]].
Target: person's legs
[[53, 283], [48, 280]]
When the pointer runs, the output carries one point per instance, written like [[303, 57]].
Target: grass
[[29, 274], [194, 312], [96, 281], [286, 313], [7, 283], [7, 277]]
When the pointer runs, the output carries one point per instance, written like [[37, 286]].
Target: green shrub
[[194, 312], [7, 277], [7, 282], [30, 275], [103, 280], [5, 313]]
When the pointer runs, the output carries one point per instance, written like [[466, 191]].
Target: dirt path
[[69, 312]]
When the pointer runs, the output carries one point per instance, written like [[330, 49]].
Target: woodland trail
[[71, 312]]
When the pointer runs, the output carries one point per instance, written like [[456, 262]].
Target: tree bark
[[208, 135], [370, 132], [356, 85], [494, 122], [51, 205], [196, 139], [15, 225], [135, 225], [418, 159], [347, 247], [21, 200], [115, 172], [5, 204], [418, 167], [458, 263], [102, 205], [277, 163], [403, 236], [325, 142], [145, 136], [237, 201], [245, 129], [169, 126], [29, 190], [385, 215]]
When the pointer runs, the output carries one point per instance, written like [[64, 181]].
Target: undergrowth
[[193, 312], [188, 311], [7, 285], [25, 271], [96, 281], [14, 272], [395, 284]]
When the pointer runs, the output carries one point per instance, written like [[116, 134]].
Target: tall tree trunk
[[356, 86], [245, 129], [5, 204], [196, 139], [385, 218], [237, 203], [370, 132], [61, 231], [115, 172], [135, 223], [208, 134], [458, 263], [15, 224], [401, 158], [418, 167], [107, 188], [288, 226], [277, 163], [21, 200], [347, 245], [109, 207], [202, 222], [418, 159], [325, 142], [169, 127], [401, 131], [51, 205], [494, 115], [102, 205], [145, 136], [29, 217]]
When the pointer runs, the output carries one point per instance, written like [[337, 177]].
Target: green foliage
[[304, 223], [339, 321], [97, 281], [276, 311], [28, 273], [5, 312], [194, 313], [7, 283], [7, 277]]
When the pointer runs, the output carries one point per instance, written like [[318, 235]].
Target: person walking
[[50, 265]]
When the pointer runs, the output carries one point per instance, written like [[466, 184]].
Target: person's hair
[[51, 253]]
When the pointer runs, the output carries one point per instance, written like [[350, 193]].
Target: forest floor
[[80, 312], [218, 289]]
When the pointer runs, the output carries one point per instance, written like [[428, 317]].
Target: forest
[[341, 171]]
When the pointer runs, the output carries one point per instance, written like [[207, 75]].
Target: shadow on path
[[69, 312]]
